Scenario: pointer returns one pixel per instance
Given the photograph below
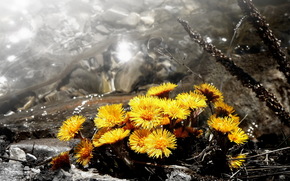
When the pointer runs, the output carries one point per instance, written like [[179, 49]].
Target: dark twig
[[245, 78], [264, 175], [22, 161], [263, 30]]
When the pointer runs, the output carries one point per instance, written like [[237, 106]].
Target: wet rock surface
[[81, 59]]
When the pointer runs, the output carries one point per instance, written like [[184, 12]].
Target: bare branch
[[246, 79]]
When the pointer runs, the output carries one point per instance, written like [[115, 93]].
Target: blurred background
[[57, 50]]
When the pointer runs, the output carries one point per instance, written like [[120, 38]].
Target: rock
[[41, 148], [177, 175], [114, 14], [131, 20], [102, 29], [11, 171], [79, 175], [44, 120], [17, 153], [30, 158]]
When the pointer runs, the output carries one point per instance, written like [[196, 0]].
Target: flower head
[[136, 140], [146, 111], [222, 109], [110, 115], [98, 135], [237, 161], [70, 127], [211, 92], [60, 161], [83, 151], [222, 124], [174, 110], [161, 90], [166, 120], [191, 100], [238, 136], [159, 142], [112, 136]]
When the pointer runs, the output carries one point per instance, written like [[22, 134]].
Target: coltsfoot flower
[[222, 109], [83, 151], [109, 116], [159, 142], [136, 140], [211, 92], [238, 136], [60, 161], [112, 136], [174, 110], [162, 90], [70, 127], [98, 135], [146, 112], [223, 124], [237, 161], [192, 100]]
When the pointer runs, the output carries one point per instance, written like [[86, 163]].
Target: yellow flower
[[174, 110], [222, 124], [159, 142], [236, 162], [98, 135], [222, 109], [161, 90], [110, 115], [191, 100], [83, 151], [70, 127], [136, 140], [143, 101], [166, 120], [146, 111], [211, 92], [238, 136], [60, 161], [113, 136], [235, 118]]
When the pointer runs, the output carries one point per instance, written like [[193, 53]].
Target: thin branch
[[281, 149], [263, 30], [246, 80]]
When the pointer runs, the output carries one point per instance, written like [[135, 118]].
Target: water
[[57, 50]]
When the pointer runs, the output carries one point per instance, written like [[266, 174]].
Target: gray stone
[[79, 175], [131, 20], [11, 171], [30, 158], [41, 148], [115, 14], [17, 153], [177, 175]]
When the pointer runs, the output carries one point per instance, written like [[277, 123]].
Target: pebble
[[30, 158], [17, 153]]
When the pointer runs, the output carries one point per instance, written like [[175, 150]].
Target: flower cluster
[[152, 123], [225, 122]]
